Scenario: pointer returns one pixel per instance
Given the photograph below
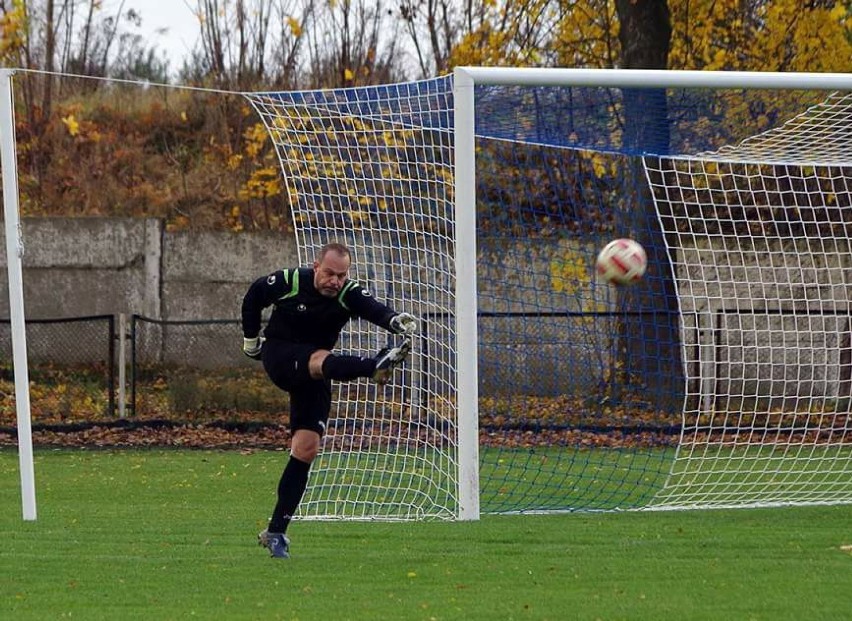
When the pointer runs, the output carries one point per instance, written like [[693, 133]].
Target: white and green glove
[[253, 347], [404, 323]]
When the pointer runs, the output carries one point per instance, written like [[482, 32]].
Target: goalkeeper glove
[[404, 323], [253, 347]]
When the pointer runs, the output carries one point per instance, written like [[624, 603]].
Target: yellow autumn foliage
[[12, 31], [759, 35], [750, 35]]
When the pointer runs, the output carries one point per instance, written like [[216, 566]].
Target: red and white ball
[[622, 262]]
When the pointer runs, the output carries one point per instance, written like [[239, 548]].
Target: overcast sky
[[169, 25]]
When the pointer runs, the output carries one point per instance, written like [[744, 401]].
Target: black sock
[[346, 368], [291, 488]]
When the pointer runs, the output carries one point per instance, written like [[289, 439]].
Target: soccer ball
[[622, 262]]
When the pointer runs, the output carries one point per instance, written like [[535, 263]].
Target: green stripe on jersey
[[343, 291], [294, 288]]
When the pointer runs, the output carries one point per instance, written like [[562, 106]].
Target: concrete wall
[[98, 266], [76, 267], [87, 266], [106, 266], [745, 346], [205, 275]]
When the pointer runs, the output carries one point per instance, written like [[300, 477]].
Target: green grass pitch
[[170, 534]]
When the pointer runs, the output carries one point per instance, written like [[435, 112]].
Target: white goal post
[[687, 484], [14, 261]]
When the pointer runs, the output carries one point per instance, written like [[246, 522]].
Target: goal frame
[[465, 79], [14, 267]]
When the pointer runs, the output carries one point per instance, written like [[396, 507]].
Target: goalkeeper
[[311, 307]]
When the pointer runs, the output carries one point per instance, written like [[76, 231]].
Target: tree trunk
[[650, 341]]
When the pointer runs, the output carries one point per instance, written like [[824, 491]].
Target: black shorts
[[286, 364]]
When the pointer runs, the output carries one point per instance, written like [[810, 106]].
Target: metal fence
[[85, 369], [195, 370], [93, 368], [71, 367]]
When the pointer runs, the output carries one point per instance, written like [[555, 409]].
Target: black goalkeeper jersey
[[302, 314]]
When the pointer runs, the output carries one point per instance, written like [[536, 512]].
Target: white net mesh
[[760, 237], [372, 168]]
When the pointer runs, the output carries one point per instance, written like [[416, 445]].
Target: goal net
[[760, 236], [722, 379], [373, 168]]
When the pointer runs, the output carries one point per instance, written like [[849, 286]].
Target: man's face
[[330, 273]]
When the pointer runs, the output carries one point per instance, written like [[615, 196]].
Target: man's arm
[[362, 304]]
